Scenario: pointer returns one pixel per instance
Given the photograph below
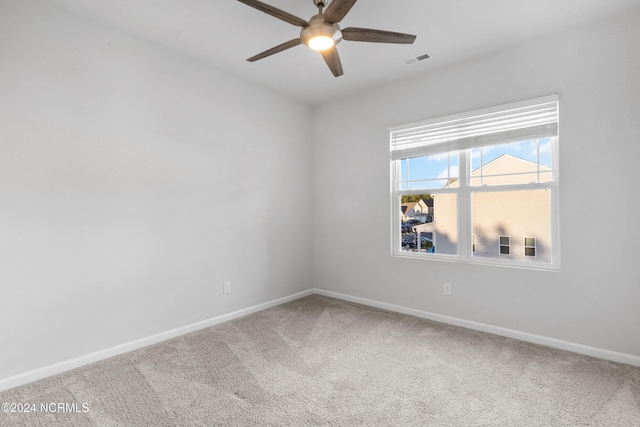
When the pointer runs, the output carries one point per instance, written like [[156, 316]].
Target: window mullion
[[395, 204], [464, 204], [511, 187]]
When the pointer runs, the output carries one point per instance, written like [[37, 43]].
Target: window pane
[[504, 250], [529, 241], [435, 232], [514, 163], [530, 251], [517, 214], [434, 171], [402, 184]]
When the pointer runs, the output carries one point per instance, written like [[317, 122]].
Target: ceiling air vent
[[418, 58]]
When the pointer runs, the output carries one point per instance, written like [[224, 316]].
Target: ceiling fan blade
[[274, 11], [332, 59], [337, 10], [376, 36], [279, 48]]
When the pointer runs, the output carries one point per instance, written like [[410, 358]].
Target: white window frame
[[463, 140]]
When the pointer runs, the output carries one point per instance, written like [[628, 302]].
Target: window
[[529, 246], [505, 245], [483, 181]]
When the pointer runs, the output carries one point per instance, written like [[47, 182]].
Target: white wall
[[595, 299], [133, 182]]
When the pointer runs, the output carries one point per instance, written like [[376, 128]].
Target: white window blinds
[[534, 118]]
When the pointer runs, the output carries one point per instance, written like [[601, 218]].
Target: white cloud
[[438, 157], [545, 147], [453, 173]]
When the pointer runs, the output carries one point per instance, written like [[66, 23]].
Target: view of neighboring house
[[514, 224], [421, 210]]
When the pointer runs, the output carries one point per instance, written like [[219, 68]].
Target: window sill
[[481, 262]]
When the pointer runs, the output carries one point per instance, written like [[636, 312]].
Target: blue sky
[[439, 167]]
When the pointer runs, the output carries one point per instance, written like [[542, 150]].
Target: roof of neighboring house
[[506, 157], [408, 206], [405, 207], [497, 162]]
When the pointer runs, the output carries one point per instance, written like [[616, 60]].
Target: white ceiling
[[225, 32]]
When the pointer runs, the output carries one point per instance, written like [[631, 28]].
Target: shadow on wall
[[488, 244], [445, 244]]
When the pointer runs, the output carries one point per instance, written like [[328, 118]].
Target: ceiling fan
[[322, 32]]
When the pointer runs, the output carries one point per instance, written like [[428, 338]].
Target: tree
[[415, 198]]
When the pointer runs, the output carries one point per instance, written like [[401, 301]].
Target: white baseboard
[[613, 356], [47, 371], [67, 365]]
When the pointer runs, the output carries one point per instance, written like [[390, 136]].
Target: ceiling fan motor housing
[[319, 27]]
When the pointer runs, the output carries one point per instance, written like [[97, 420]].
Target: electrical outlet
[[226, 287], [447, 288]]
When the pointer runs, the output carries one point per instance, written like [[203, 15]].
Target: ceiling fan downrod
[[320, 4]]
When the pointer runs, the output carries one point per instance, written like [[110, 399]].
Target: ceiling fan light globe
[[321, 43], [320, 35]]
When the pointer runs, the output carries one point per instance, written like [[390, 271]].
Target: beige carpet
[[319, 361]]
